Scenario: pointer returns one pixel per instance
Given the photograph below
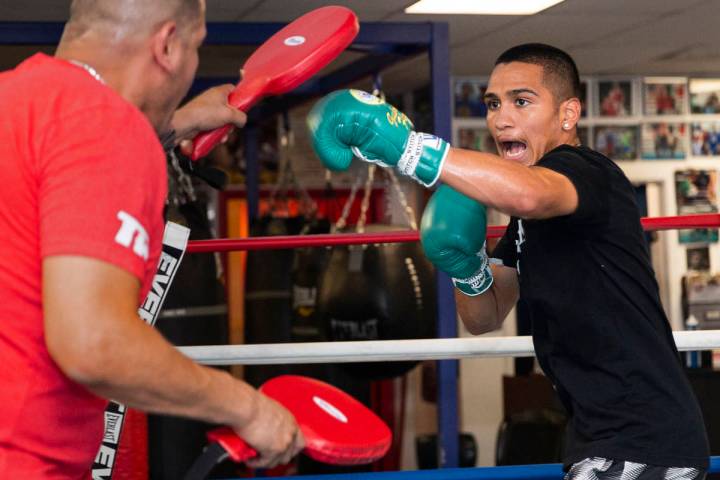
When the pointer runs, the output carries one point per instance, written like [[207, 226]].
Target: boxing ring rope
[[711, 220], [398, 350]]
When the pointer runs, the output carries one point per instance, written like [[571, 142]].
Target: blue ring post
[[448, 421]]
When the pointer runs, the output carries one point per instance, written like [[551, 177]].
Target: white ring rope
[[398, 350]]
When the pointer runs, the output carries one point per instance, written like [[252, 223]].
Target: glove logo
[[432, 141], [397, 118], [366, 98]]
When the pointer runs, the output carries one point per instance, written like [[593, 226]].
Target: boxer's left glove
[[452, 233], [353, 123]]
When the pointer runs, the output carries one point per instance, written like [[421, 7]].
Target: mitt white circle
[[294, 41], [331, 410]]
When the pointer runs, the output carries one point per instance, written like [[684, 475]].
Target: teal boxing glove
[[452, 233], [353, 123]]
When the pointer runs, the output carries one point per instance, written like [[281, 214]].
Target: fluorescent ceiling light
[[703, 85], [664, 80], [481, 7]]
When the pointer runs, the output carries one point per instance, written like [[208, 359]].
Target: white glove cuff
[[410, 158]]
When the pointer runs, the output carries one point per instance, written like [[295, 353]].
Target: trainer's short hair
[[128, 16], [560, 74]]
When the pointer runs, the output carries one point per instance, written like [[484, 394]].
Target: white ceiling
[[605, 36]]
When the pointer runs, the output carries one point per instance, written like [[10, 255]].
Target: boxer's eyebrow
[[519, 91]]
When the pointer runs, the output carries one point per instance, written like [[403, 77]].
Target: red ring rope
[[711, 220]]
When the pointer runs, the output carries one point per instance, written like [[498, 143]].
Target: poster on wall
[[615, 98], [617, 142], [664, 141], [664, 96], [476, 139], [705, 139], [469, 101], [705, 95], [695, 193]]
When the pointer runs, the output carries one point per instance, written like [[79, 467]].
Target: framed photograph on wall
[[614, 98], [664, 141], [698, 259], [704, 95], [476, 139], [468, 95], [664, 96], [696, 192], [617, 142], [705, 139]]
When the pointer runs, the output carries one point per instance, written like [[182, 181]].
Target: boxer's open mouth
[[513, 149]]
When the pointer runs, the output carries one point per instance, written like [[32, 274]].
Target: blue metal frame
[[448, 370], [378, 36], [383, 45]]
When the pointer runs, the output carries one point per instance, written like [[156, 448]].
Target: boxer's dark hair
[[560, 74]]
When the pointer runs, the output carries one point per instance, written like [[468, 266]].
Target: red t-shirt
[[83, 173]]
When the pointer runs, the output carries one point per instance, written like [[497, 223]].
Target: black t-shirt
[[599, 330]]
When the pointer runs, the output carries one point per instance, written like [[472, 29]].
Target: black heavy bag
[[268, 285], [307, 267], [378, 292], [194, 313]]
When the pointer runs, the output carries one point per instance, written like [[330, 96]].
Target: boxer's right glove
[[352, 123], [453, 237]]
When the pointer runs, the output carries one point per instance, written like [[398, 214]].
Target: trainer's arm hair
[[486, 312], [94, 334]]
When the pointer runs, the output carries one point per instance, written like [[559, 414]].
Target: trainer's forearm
[[183, 125], [141, 369]]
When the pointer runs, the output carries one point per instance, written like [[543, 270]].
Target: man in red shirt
[[84, 185]]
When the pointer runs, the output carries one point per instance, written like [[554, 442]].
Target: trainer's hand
[[452, 233], [350, 123], [206, 112], [272, 432]]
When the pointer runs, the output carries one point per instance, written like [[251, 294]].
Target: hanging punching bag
[[378, 292], [194, 313], [268, 286], [307, 326], [308, 264]]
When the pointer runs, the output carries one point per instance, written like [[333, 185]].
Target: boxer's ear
[[570, 111]]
